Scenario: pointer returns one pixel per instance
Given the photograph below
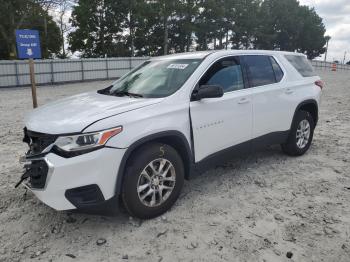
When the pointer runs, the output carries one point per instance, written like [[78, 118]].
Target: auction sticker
[[177, 66]]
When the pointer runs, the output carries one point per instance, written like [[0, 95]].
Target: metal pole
[[325, 56], [17, 76], [107, 68], [52, 74], [32, 82], [82, 69]]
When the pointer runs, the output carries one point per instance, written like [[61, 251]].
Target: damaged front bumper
[[82, 182], [36, 171]]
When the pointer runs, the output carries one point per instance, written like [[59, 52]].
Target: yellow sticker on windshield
[[177, 66]]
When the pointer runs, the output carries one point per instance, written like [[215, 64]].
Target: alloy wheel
[[156, 182], [303, 133]]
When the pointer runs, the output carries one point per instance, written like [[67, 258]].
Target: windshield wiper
[[105, 91], [126, 93]]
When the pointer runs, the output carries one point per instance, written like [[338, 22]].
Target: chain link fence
[[57, 71]]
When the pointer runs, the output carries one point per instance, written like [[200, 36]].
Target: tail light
[[319, 83]]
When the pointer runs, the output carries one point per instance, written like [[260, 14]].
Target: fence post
[[16, 72], [82, 69], [107, 68], [130, 63], [52, 74]]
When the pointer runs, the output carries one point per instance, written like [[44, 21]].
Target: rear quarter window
[[301, 64], [260, 71]]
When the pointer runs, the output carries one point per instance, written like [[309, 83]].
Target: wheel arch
[[310, 106], [172, 138]]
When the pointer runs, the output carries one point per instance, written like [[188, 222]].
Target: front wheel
[[153, 180], [301, 134]]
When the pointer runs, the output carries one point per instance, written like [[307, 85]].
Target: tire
[[294, 146], [139, 174]]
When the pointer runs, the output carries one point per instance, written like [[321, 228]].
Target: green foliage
[[286, 25], [155, 27], [99, 29], [26, 14]]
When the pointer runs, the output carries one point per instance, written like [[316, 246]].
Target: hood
[[73, 114]]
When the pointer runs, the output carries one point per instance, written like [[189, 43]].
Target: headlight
[[86, 141]]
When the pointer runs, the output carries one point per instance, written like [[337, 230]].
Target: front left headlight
[[86, 141]]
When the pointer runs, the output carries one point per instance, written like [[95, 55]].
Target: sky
[[336, 17]]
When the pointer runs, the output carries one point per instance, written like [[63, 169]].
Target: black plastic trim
[[65, 154], [242, 149], [150, 138], [109, 207], [85, 196], [306, 102]]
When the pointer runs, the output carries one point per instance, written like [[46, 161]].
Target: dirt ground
[[266, 207]]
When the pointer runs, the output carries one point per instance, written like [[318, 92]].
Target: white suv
[[138, 139]]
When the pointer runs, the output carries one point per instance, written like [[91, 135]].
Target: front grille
[[37, 141]]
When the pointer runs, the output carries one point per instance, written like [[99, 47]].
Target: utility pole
[[327, 37]]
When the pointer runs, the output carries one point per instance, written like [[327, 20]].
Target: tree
[[209, 23], [143, 27], [311, 40], [148, 35], [99, 31], [164, 14], [279, 25], [245, 23], [285, 25], [62, 10], [183, 28], [27, 14]]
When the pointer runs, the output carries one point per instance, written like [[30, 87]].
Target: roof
[[203, 54]]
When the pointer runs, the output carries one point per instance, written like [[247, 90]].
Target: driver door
[[221, 123]]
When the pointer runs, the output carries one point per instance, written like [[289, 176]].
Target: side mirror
[[207, 91]]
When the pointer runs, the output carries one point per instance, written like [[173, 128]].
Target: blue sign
[[28, 44]]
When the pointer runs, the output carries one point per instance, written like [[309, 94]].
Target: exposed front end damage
[[66, 183]]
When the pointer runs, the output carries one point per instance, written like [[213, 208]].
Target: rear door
[[220, 123], [272, 100]]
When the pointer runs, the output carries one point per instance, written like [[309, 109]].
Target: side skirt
[[244, 149]]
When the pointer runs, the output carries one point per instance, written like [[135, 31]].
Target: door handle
[[289, 91], [243, 100]]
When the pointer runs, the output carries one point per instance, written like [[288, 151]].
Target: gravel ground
[[266, 207]]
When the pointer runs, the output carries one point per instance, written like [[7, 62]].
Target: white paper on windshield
[[177, 66]]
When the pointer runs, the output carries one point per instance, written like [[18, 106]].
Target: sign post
[[32, 82], [28, 47]]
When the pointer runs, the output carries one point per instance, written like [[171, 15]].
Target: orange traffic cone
[[334, 67]]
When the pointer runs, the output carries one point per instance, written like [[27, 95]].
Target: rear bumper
[[83, 182]]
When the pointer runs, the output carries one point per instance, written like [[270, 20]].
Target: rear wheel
[[301, 134], [153, 180]]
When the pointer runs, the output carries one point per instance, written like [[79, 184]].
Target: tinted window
[[259, 70], [227, 73], [301, 64], [277, 69]]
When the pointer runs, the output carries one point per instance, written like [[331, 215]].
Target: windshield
[[158, 78]]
